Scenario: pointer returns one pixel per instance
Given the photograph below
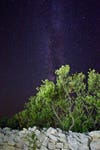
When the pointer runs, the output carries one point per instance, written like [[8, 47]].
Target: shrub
[[71, 103], [9, 122]]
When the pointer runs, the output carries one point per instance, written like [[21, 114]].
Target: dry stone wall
[[48, 139]]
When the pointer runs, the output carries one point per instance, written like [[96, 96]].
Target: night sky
[[37, 37]]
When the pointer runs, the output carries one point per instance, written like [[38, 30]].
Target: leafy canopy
[[71, 103]]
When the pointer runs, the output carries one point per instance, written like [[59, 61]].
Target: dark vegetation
[[71, 103]]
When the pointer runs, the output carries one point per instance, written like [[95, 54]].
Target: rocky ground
[[48, 139]]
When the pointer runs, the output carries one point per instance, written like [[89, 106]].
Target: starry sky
[[37, 37]]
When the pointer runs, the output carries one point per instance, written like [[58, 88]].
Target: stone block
[[43, 148], [45, 142], [95, 145], [53, 138], [59, 145], [51, 131], [11, 143], [51, 146]]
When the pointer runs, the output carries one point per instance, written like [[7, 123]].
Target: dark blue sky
[[38, 36]]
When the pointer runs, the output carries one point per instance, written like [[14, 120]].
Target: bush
[[71, 103], [12, 122]]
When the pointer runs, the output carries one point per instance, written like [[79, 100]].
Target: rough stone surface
[[95, 144], [48, 139]]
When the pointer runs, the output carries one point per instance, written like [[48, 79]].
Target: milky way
[[55, 49]]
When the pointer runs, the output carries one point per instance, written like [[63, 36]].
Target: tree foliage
[[71, 103]]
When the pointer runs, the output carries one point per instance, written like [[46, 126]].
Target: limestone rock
[[95, 143], [51, 145], [59, 145], [78, 141], [48, 139]]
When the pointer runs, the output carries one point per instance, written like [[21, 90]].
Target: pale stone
[[32, 129], [1, 135], [59, 145], [25, 147], [78, 141], [9, 148], [41, 137], [37, 133], [66, 145], [38, 143], [51, 131], [6, 138], [6, 129], [19, 145], [45, 142], [52, 137], [51, 146], [43, 148], [11, 142], [62, 138], [95, 145], [1, 147], [95, 135], [1, 141], [27, 143]]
